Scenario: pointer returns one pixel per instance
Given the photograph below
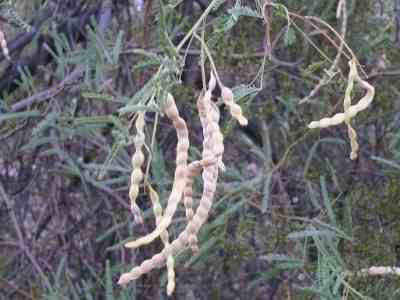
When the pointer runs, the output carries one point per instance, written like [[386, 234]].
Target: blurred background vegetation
[[293, 214]]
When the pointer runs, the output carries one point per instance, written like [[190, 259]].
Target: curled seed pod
[[346, 104], [157, 209], [235, 109], [137, 162], [180, 174], [353, 142], [3, 44], [350, 110]]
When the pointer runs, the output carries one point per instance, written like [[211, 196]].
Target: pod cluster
[[182, 188]]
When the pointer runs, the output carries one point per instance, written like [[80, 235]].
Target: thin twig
[[328, 76]]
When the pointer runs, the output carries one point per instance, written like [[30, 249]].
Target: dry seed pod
[[212, 82], [353, 142], [207, 111], [235, 109], [210, 177], [346, 104], [211, 150], [350, 111], [3, 44], [137, 162], [203, 115], [218, 136], [179, 178], [194, 169], [157, 209]]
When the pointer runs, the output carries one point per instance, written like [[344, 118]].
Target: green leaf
[[314, 67], [118, 47], [327, 202], [137, 108], [217, 4], [309, 233], [245, 11], [266, 192], [110, 231], [101, 97], [387, 162], [290, 37], [243, 91], [20, 115], [109, 283]]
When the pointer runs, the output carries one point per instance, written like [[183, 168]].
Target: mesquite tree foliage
[[220, 118]]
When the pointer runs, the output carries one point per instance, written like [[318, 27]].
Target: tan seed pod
[[235, 109], [211, 150], [3, 44], [350, 111], [192, 171], [212, 83], [196, 167], [179, 178], [137, 162], [157, 209], [346, 105], [218, 136], [209, 116]]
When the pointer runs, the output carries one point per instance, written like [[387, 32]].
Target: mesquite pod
[[180, 174], [346, 105], [213, 149], [350, 111], [194, 169], [234, 108], [3, 44], [157, 209], [137, 162]]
